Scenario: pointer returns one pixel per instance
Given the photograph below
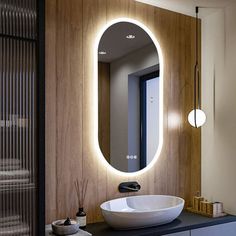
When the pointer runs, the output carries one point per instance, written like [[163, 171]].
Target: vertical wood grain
[[71, 28], [68, 111], [51, 125], [104, 108]]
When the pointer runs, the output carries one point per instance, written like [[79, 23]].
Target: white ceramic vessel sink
[[141, 211]]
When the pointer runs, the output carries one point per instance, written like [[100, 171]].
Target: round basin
[[141, 211]]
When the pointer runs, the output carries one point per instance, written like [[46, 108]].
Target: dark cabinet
[[21, 117]]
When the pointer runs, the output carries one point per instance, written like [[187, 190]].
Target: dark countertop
[[186, 221]]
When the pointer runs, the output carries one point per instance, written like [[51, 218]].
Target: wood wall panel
[[104, 108], [50, 122], [71, 28]]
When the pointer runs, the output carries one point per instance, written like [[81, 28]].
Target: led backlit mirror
[[129, 97]]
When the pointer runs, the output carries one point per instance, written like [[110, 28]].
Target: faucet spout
[[129, 187]]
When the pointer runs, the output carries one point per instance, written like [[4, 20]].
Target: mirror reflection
[[128, 97]]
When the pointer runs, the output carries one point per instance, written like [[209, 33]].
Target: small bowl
[[60, 229]]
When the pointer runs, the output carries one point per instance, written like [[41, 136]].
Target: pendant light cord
[[197, 57], [196, 75]]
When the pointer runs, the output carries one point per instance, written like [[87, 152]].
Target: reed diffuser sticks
[[81, 190]]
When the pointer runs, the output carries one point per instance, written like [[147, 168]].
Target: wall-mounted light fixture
[[197, 117]]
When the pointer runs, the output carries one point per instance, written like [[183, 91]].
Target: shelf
[[17, 187], [15, 37]]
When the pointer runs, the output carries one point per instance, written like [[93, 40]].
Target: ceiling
[[187, 7], [115, 43]]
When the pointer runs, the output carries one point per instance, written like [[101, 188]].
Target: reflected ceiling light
[[130, 36], [102, 53], [197, 117]]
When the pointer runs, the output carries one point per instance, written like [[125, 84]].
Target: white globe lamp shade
[[200, 118]]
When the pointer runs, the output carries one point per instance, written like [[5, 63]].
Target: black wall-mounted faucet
[[126, 187]]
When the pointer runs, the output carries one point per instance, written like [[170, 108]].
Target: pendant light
[[197, 117]]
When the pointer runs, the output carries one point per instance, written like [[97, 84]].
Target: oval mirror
[[129, 97]]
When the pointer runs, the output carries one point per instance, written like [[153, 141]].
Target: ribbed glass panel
[[17, 117]]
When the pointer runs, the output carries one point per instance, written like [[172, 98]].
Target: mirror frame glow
[[95, 96]]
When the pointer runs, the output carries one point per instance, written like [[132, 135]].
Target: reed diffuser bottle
[[81, 189], [81, 218]]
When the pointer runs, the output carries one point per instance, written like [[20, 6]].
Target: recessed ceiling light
[[130, 36], [102, 53]]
